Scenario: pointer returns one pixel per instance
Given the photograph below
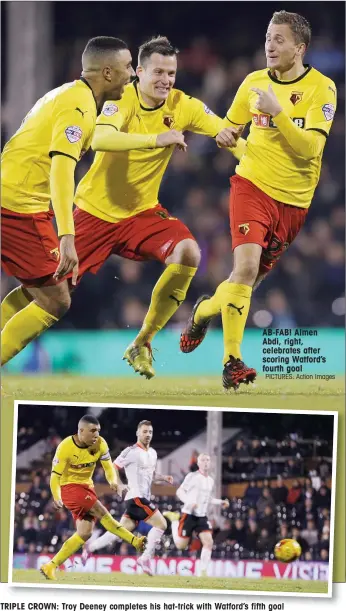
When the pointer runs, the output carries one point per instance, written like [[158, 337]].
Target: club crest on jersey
[[207, 110], [168, 121], [244, 228], [328, 111], [110, 109], [73, 133], [296, 97]]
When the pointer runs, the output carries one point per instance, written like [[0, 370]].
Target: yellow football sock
[[168, 294], [115, 527], [234, 300], [71, 546], [23, 327], [15, 301]]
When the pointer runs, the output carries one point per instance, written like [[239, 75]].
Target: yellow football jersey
[[76, 465], [121, 184], [62, 121], [268, 161]]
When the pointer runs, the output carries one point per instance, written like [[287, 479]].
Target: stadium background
[[217, 51], [275, 469]]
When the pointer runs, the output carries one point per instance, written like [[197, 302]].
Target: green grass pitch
[[201, 391], [175, 581]]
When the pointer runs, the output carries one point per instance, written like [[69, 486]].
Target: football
[[287, 550]]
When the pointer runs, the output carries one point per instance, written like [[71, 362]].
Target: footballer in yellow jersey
[[118, 211], [290, 107], [37, 168], [72, 486]]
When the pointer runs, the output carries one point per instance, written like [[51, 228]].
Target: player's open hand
[[227, 137], [172, 137], [267, 101], [225, 504], [68, 259], [58, 504], [121, 490]]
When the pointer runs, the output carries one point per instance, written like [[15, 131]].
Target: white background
[[296, 603]]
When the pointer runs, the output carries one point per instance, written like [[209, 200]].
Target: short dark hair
[[104, 44], [157, 44], [300, 27], [89, 419], [144, 423]]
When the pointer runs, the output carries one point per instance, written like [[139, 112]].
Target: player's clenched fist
[[227, 137], [171, 137], [225, 504], [267, 101]]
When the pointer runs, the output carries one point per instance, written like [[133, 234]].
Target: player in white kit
[[196, 493], [139, 462]]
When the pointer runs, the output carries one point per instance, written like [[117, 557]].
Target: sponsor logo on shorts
[[88, 497], [110, 109], [296, 97], [244, 228], [168, 121], [165, 216], [73, 133], [207, 110], [55, 252], [152, 506], [184, 533], [328, 111]]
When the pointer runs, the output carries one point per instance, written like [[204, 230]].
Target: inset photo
[[162, 498]]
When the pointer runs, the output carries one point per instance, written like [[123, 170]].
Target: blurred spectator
[[237, 534], [310, 533], [268, 521], [279, 491], [252, 493], [294, 493], [265, 542], [252, 534], [265, 500]]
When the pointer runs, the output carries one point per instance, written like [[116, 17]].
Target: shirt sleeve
[[71, 129], [105, 455], [60, 459], [200, 119], [321, 114], [124, 459], [115, 115], [239, 112]]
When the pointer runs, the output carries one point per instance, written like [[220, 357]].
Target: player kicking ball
[[139, 462], [72, 486], [290, 107], [196, 494]]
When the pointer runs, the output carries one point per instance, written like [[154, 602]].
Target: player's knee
[[181, 545], [187, 252], [62, 304], [246, 271]]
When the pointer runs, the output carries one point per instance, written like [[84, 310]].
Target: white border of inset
[[180, 408]]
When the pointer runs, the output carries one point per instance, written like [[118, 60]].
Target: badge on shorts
[[244, 228], [110, 109], [55, 252], [328, 111], [73, 133]]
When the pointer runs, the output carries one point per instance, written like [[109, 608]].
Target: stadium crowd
[[196, 189]]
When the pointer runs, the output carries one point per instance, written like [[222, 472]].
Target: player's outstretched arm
[[108, 139], [62, 194]]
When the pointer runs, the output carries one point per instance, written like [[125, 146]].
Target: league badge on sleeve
[[73, 133], [328, 111], [207, 110], [110, 109]]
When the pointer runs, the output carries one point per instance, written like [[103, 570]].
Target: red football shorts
[[79, 499], [29, 247], [152, 234], [256, 218]]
